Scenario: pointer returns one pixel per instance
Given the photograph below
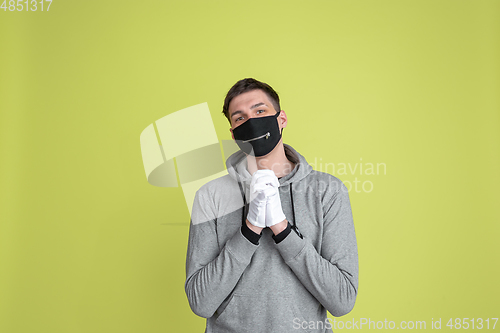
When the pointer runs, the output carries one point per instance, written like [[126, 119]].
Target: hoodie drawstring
[[294, 225], [244, 214]]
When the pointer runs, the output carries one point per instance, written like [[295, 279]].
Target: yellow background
[[87, 245]]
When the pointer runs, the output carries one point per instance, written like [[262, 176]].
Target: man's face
[[252, 104]]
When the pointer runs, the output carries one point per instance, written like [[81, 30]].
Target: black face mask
[[258, 136]]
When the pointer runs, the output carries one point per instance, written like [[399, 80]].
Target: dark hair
[[246, 85]]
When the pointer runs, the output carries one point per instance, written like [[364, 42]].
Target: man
[[271, 245]]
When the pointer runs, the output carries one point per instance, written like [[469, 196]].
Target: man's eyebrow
[[235, 113], [257, 105]]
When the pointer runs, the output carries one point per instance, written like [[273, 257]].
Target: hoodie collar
[[237, 167]]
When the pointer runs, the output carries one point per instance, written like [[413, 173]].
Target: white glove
[[261, 187], [274, 212]]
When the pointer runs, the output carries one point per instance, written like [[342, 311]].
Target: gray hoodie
[[269, 287]]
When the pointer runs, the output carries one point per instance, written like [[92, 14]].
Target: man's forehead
[[250, 99]]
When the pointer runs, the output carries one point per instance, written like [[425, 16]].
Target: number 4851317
[[473, 323], [26, 5]]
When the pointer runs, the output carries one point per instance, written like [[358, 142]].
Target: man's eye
[[260, 111], [239, 118]]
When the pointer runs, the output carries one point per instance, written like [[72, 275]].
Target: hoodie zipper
[[267, 135]]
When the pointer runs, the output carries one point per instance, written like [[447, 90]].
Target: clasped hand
[[265, 204]]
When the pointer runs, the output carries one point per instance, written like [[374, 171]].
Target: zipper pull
[[267, 135]]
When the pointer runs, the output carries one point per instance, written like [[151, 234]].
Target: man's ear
[[231, 130], [283, 119]]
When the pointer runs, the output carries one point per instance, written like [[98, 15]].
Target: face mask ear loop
[[277, 115]]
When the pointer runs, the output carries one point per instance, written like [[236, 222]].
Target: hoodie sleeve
[[212, 272], [331, 276]]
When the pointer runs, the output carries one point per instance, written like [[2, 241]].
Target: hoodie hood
[[237, 167]]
